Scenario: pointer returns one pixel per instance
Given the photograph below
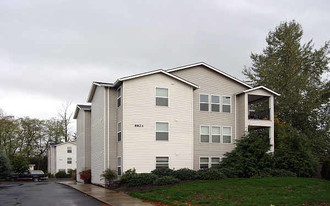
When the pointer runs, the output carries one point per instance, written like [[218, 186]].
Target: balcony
[[259, 114]]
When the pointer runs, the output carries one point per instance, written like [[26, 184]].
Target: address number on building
[[138, 125]]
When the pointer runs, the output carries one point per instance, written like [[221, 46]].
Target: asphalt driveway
[[42, 193]]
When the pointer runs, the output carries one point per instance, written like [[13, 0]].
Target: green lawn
[[237, 191]]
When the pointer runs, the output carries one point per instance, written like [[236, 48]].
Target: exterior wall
[[98, 135], [62, 155], [51, 155], [80, 144], [119, 118], [87, 118], [140, 147], [211, 82], [240, 109]]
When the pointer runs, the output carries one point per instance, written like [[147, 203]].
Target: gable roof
[[63, 143], [209, 67], [261, 87], [120, 80], [79, 107]]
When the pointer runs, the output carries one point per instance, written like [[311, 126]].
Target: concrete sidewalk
[[106, 196]]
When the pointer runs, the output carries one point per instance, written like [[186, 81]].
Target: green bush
[[60, 174], [166, 180], [281, 173], [210, 174], [185, 174], [228, 172], [20, 164], [128, 175], [109, 176], [142, 179], [325, 172], [4, 165], [161, 172]]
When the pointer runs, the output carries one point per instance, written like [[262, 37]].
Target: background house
[[62, 157]]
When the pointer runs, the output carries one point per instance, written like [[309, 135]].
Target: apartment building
[[62, 157], [185, 117]]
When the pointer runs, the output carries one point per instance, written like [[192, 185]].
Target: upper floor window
[[216, 133], [215, 103], [69, 160], [119, 166], [162, 130], [226, 104], [226, 134], [162, 162], [204, 102], [205, 134], [119, 97], [119, 131], [161, 96], [69, 150]]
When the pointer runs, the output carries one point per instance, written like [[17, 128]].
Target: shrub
[[74, 174], [185, 174], [228, 172], [142, 179], [281, 173], [50, 175], [20, 164], [128, 175], [109, 175], [210, 174], [166, 180], [325, 171], [161, 172], [86, 175], [4, 165], [60, 174]]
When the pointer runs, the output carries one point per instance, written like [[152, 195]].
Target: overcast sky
[[51, 51]]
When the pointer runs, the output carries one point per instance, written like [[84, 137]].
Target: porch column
[[271, 129]]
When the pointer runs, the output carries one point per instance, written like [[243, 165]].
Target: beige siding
[[80, 144], [211, 82], [240, 108], [87, 116], [140, 147], [97, 132]]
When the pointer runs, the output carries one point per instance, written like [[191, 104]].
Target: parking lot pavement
[[42, 193]]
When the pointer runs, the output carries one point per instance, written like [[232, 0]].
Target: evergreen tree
[[4, 164]]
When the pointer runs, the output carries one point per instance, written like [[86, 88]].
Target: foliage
[[74, 174], [60, 174], [20, 164], [142, 179], [247, 191], [296, 70], [228, 172], [163, 171], [250, 157], [5, 166], [166, 180], [281, 173], [109, 176], [293, 151], [128, 175], [185, 174], [50, 175], [325, 172], [86, 175], [210, 174]]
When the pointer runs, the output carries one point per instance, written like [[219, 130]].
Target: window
[[226, 134], [203, 162], [205, 134], [226, 102], [162, 162], [119, 166], [161, 131], [215, 103], [119, 131], [119, 97], [69, 149], [216, 132], [61, 170], [204, 102], [215, 161], [69, 160], [161, 96]]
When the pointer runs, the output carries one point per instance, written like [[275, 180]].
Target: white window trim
[[121, 135], [200, 133], [231, 135], [200, 161], [220, 98], [121, 163], [121, 91], [169, 166], [214, 157], [162, 131], [212, 134], [168, 96], [67, 149], [231, 109], [67, 159], [208, 97]]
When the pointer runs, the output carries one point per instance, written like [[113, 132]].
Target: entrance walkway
[[107, 196]]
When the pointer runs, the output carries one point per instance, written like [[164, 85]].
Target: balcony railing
[[259, 114]]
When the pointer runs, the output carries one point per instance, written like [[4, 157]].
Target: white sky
[[51, 51]]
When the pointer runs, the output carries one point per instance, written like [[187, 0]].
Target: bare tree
[[65, 117]]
